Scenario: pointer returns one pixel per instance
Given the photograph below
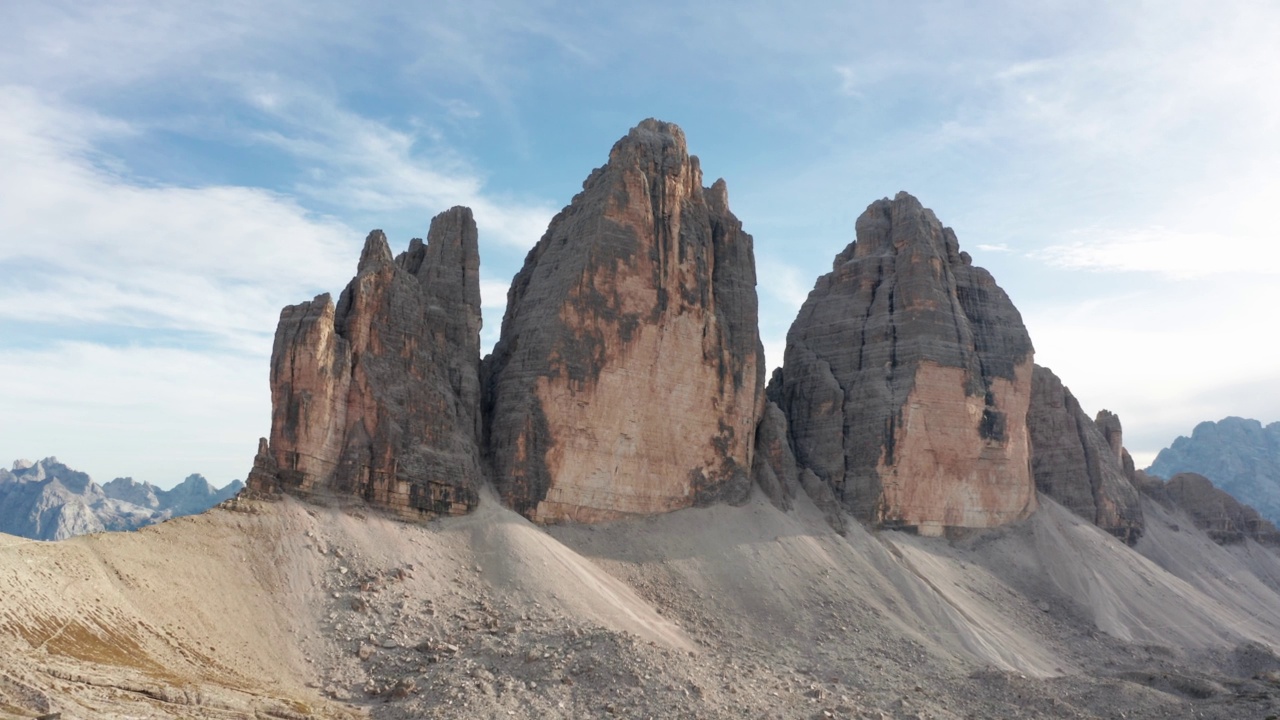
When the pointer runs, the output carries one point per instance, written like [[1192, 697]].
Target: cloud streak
[[83, 244], [359, 164]]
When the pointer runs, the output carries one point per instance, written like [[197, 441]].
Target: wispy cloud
[[358, 163], [83, 244], [1167, 252]]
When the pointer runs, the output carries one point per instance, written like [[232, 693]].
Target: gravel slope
[[289, 610]]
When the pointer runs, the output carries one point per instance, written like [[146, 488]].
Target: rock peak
[[376, 250], [907, 378], [628, 379]]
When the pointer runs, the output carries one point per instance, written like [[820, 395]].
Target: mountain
[[1240, 456], [614, 516], [1217, 513], [47, 500], [1081, 462]]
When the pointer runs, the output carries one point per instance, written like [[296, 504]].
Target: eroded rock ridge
[[1222, 517]]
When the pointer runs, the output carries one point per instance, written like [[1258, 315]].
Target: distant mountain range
[[1239, 455], [47, 500]]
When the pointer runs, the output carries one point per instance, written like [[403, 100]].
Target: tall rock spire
[[629, 374], [378, 396], [907, 378]]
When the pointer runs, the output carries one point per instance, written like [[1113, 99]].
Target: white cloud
[[157, 414], [365, 165], [461, 109], [1165, 356], [849, 80], [493, 293], [997, 248], [85, 245], [1174, 254]]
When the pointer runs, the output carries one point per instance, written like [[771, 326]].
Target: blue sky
[[172, 174]]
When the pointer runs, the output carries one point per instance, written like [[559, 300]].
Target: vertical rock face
[[629, 377], [1080, 462], [907, 378], [378, 395]]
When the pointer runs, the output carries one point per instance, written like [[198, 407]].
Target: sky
[[173, 173]]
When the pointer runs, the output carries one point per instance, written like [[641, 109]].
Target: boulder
[[907, 377], [377, 396], [628, 378]]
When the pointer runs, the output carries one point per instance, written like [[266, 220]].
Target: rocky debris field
[[712, 613]]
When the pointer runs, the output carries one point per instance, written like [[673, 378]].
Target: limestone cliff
[[1081, 462], [628, 378], [378, 396], [907, 377]]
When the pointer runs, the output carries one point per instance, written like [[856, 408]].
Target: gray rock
[[129, 490], [1214, 511], [1074, 462], [774, 467], [906, 378], [378, 397], [629, 376], [47, 500], [195, 495]]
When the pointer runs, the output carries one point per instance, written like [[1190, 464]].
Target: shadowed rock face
[[629, 374], [1109, 424], [1080, 462], [378, 396], [774, 467], [1220, 515], [907, 378]]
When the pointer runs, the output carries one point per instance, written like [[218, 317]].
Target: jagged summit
[[628, 378], [1081, 463], [377, 397], [46, 500]]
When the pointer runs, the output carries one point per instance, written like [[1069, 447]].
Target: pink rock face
[[377, 397], [628, 379], [907, 379], [944, 471]]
